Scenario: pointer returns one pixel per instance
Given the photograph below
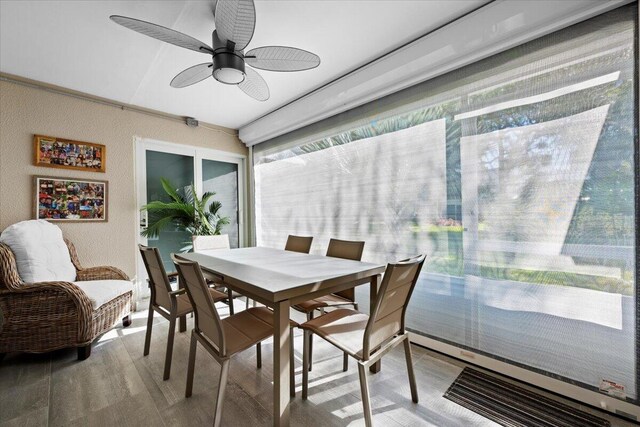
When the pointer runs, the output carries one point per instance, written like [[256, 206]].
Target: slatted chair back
[[346, 249], [158, 279], [209, 243], [300, 244], [387, 316], [207, 320]]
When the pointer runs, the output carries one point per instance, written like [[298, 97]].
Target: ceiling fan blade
[[254, 85], [192, 75], [281, 58], [162, 33], [235, 22]]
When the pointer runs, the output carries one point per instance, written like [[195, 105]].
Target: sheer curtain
[[515, 175]]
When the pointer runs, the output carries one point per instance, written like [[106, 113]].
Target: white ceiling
[[73, 44]]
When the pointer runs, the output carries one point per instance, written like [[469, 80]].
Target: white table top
[[275, 274]]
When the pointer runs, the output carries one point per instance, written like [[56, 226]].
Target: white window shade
[[515, 175], [355, 189]]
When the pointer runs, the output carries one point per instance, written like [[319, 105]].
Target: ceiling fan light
[[228, 68], [230, 76]]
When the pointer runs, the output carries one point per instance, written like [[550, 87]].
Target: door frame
[[141, 145]]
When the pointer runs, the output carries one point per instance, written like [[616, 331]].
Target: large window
[[515, 175]]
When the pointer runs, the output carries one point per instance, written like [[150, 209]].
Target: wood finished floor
[[117, 386]]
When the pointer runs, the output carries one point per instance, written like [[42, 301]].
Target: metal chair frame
[[372, 355]]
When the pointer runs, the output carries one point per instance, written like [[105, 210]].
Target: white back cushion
[[207, 243], [40, 251]]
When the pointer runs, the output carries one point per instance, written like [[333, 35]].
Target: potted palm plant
[[189, 213]]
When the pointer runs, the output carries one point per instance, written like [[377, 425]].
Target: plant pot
[[210, 243]]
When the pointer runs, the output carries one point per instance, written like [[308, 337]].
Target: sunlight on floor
[[320, 397], [108, 336]]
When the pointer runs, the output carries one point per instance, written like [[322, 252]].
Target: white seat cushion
[[101, 292], [40, 251]]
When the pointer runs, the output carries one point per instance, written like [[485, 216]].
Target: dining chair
[[166, 302], [223, 338], [345, 249], [210, 244], [368, 338], [300, 244]]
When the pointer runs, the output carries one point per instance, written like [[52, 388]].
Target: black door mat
[[513, 406]]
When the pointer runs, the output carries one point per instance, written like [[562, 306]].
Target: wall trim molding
[[47, 87]]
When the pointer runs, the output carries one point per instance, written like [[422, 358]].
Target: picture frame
[[70, 199], [63, 153]]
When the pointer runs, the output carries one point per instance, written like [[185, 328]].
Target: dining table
[[280, 279]]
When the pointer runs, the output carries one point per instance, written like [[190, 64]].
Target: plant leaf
[[153, 229], [188, 212], [170, 190]]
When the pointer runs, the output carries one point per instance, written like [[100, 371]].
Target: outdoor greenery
[[450, 261], [453, 266], [197, 216]]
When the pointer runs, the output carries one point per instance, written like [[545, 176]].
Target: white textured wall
[[25, 111]]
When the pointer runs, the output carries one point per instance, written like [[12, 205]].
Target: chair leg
[[364, 389], [192, 365], [259, 354], [230, 300], [310, 317], [147, 338], [169, 355], [292, 368], [246, 303], [224, 372], [84, 352], [412, 375], [182, 324], [305, 363]]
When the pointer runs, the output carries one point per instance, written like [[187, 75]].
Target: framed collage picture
[[70, 199], [68, 154]]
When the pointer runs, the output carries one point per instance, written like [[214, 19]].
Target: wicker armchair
[[46, 316]]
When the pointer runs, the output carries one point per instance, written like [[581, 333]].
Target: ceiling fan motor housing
[[228, 65]]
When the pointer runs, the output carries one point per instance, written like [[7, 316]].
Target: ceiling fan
[[235, 21]]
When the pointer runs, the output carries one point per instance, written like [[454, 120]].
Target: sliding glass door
[[221, 178], [182, 166], [179, 170], [516, 176]]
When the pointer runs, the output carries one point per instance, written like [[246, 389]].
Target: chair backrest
[[300, 244], [160, 286], [207, 320], [387, 316], [208, 243], [346, 249]]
